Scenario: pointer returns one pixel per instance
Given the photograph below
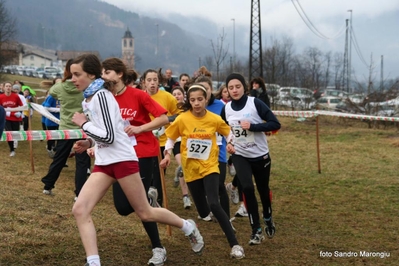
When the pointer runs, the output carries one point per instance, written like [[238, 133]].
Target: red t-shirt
[[135, 106], [12, 101]]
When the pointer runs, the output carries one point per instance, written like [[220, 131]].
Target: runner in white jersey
[[115, 161], [249, 118]]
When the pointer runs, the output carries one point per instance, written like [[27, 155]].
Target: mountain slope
[[94, 25]]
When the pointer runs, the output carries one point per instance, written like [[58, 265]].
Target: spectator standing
[[13, 119], [170, 83], [258, 90]]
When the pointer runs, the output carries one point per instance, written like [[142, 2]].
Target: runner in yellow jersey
[[197, 128]]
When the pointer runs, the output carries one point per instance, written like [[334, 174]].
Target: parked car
[[327, 103], [216, 85], [349, 107], [298, 98], [335, 93], [40, 72], [356, 98], [19, 70], [50, 74], [8, 70], [387, 108], [329, 92], [272, 90], [29, 71]]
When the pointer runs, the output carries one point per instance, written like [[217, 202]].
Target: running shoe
[[237, 252], [242, 211], [92, 264], [270, 229], [153, 196], [209, 218], [51, 153], [257, 237], [47, 192], [196, 240], [178, 175], [233, 193], [232, 169], [158, 257], [186, 202]]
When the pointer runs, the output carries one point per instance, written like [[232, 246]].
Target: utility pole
[[382, 74], [234, 43], [255, 46], [350, 52], [345, 76], [370, 72]]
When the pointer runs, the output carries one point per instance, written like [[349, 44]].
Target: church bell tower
[[128, 49]]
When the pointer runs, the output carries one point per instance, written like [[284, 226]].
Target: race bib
[[242, 136], [199, 148]]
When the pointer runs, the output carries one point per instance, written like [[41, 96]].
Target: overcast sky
[[375, 23]]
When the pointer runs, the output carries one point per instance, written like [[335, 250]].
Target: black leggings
[[12, 126], [223, 196], [51, 143], [60, 158], [260, 169], [123, 206], [204, 193]]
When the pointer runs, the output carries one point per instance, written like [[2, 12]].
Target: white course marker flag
[[44, 112]]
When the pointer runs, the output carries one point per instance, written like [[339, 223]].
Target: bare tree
[[277, 62], [286, 58], [7, 33], [313, 63], [338, 74], [219, 52]]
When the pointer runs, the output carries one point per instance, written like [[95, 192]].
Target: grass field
[[351, 206]]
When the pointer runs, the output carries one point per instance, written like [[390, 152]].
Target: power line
[[312, 27], [306, 23], [357, 48]]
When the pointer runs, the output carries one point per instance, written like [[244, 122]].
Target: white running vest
[[247, 143]]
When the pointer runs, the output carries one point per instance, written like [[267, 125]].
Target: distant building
[[36, 57], [31, 56], [128, 49]]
